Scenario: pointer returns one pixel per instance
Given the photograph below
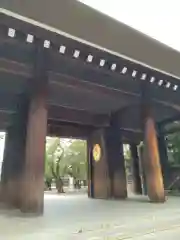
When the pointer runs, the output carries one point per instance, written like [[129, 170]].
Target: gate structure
[[67, 70]]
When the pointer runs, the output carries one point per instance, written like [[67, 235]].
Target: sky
[[159, 19]]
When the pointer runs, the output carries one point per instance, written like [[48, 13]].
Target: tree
[[65, 157], [127, 158], [51, 148], [76, 159]]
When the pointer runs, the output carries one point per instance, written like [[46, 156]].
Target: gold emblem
[[97, 152]]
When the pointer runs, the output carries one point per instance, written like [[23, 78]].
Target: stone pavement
[[74, 216]]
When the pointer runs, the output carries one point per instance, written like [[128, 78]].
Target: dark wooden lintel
[[131, 136], [77, 116], [68, 130], [22, 69]]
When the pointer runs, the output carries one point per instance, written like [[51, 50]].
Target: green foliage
[[127, 155], [51, 148], [173, 141], [65, 157], [75, 160]]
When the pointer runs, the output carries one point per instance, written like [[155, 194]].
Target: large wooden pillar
[[13, 161], [33, 174], [141, 154], [23, 166], [108, 176], [137, 186], [100, 184], [116, 161], [154, 179]]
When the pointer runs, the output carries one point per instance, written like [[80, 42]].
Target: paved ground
[[74, 216]]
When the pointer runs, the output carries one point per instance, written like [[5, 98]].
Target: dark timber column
[[155, 187], [116, 162], [137, 187], [14, 157], [108, 176], [33, 177], [141, 154], [99, 165], [163, 157], [89, 159]]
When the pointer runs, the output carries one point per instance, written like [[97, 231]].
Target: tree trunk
[[59, 185], [48, 183]]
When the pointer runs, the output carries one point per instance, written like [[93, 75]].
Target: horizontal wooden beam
[[81, 117], [131, 135], [70, 130], [60, 79], [22, 69], [66, 130], [15, 67], [79, 80]]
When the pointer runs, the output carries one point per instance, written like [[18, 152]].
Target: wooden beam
[[62, 129], [81, 79], [62, 79], [131, 135], [22, 69], [15, 67], [82, 117], [68, 130]]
